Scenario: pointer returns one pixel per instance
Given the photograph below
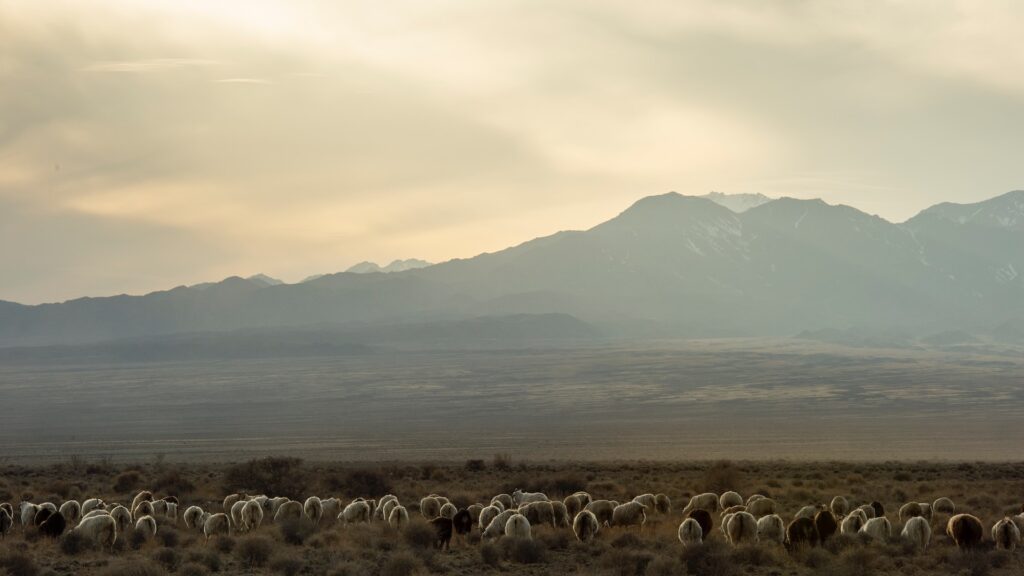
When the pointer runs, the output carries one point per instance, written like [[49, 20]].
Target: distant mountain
[[738, 203], [669, 265], [395, 266], [265, 280]]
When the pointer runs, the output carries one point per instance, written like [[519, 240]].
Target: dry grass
[[987, 490]]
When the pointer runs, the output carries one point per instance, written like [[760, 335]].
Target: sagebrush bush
[[224, 544], [286, 565], [127, 482], [208, 558], [523, 550], [490, 554], [72, 543], [365, 483], [254, 551], [623, 562], [722, 476], [193, 569], [168, 558], [401, 564], [296, 531], [133, 567], [174, 482], [711, 558], [280, 476], [17, 563], [419, 535], [664, 566]]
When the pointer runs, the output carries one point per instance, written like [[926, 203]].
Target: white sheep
[[647, 500], [356, 511], [193, 518], [910, 510], [853, 523], [806, 512], [92, 504], [1006, 534], [519, 497], [603, 509], [159, 508], [918, 531], [100, 530], [629, 514], [878, 528], [742, 527], [561, 515], [71, 511], [771, 528], [145, 508], [573, 503], [121, 516], [486, 515], [172, 512], [761, 507], [290, 510], [707, 501], [146, 525], [840, 506], [28, 512], [585, 526], [753, 498], [448, 510], [430, 507], [398, 517], [497, 526], [868, 510], [230, 500], [538, 513], [943, 505], [144, 496], [216, 524], [505, 499], [497, 504], [275, 505], [331, 508], [517, 526], [729, 499], [690, 533], [313, 508], [252, 515], [235, 515]]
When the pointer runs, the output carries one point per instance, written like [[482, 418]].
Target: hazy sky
[[145, 145]]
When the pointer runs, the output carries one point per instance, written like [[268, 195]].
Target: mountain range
[[669, 265]]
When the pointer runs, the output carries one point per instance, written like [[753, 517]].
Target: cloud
[[148, 65], [245, 81]]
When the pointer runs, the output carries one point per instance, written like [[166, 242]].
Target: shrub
[[168, 536], [127, 482], [136, 539], [490, 554], [400, 564], [168, 558], [287, 565], [627, 540], [135, 567], [502, 462], [722, 476], [524, 550], [475, 465], [622, 562], [272, 475], [208, 558], [72, 543], [18, 564], [173, 482], [758, 555], [664, 566], [193, 569], [419, 535], [710, 558], [224, 544], [254, 551], [295, 531], [554, 540], [366, 483]]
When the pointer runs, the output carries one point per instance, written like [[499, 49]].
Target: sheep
[[943, 505], [275, 504], [733, 510], [497, 504], [448, 510], [517, 526], [71, 511], [519, 497], [92, 504], [235, 515], [122, 517], [706, 501], [852, 524], [41, 516], [729, 499], [603, 509], [443, 528], [867, 510], [724, 524], [384, 506], [252, 515], [193, 517], [313, 508], [462, 522], [629, 514], [172, 512], [573, 504], [703, 518], [561, 515], [331, 507], [965, 530], [918, 531], [754, 498], [799, 532], [690, 533], [584, 497], [159, 508], [100, 530], [6, 522], [878, 508], [538, 513], [10, 509], [825, 523], [216, 524], [806, 512], [761, 507], [742, 527], [926, 510], [398, 518], [878, 528], [290, 510], [230, 500], [662, 503], [505, 499], [53, 526], [910, 510], [771, 529], [144, 496], [647, 500], [28, 511], [1006, 534], [585, 526], [356, 511], [486, 515], [430, 507], [145, 508], [840, 506], [497, 526], [147, 526]]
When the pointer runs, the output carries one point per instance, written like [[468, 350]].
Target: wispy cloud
[[148, 65], [243, 80]]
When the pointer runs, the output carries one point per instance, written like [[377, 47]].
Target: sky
[[146, 145]]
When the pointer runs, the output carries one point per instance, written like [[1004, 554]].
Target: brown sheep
[[703, 517], [443, 528], [825, 524], [53, 526], [966, 530], [799, 532], [878, 508]]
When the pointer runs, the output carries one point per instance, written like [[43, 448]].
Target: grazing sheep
[[71, 511], [690, 533], [146, 525], [235, 515], [313, 509], [966, 530], [867, 510], [910, 510], [356, 511], [840, 506], [561, 514], [331, 507], [754, 498], [878, 528], [122, 517], [448, 510], [462, 522], [647, 500], [603, 509], [926, 510], [145, 508], [733, 510], [144, 496], [10, 509], [6, 522], [825, 523], [193, 517], [101, 513], [852, 524], [918, 531], [629, 514], [800, 532], [704, 520], [497, 526], [806, 512], [443, 530], [662, 503], [159, 508], [275, 504], [290, 510], [538, 513], [761, 507], [92, 504], [41, 517], [724, 524], [584, 497], [878, 508], [729, 499], [505, 499], [1019, 521], [216, 524], [585, 526], [517, 526], [53, 526], [486, 515], [398, 518], [943, 505], [771, 529], [707, 501], [497, 504], [1006, 534], [519, 497], [172, 512], [742, 527], [28, 511], [573, 504], [252, 515], [230, 500], [430, 507], [100, 530]]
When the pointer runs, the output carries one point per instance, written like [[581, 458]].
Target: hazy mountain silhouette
[[395, 266], [667, 265]]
